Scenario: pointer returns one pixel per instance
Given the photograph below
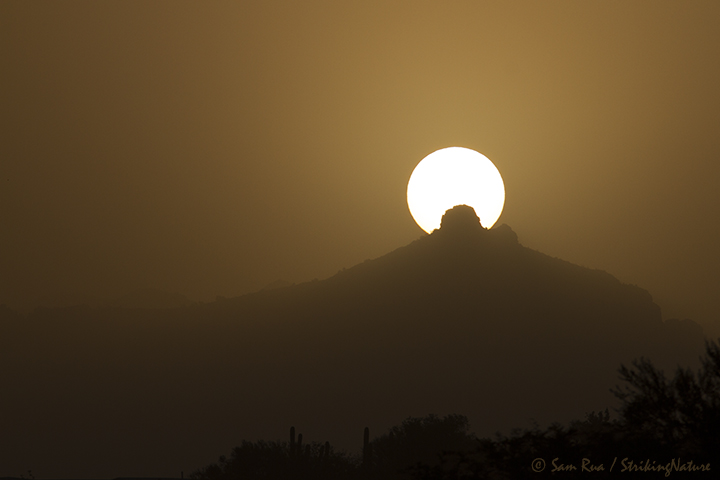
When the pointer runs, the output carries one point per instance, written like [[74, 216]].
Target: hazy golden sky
[[211, 148]]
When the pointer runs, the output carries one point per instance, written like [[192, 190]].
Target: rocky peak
[[461, 218]]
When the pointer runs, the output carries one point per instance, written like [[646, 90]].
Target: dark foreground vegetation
[[663, 424]]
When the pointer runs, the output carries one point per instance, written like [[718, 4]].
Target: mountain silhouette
[[464, 320]]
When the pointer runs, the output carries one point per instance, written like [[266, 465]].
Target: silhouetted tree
[[673, 417]]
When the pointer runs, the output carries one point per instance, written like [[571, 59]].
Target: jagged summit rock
[[461, 218], [462, 223]]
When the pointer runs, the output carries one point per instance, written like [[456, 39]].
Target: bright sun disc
[[455, 176]]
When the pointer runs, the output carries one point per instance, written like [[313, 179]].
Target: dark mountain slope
[[464, 320]]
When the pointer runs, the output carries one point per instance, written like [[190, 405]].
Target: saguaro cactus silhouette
[[367, 448], [292, 442]]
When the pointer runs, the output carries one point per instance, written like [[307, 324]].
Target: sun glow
[[455, 176]]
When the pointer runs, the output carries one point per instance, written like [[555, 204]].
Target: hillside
[[464, 320]]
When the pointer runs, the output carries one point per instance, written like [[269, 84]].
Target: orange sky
[[210, 149]]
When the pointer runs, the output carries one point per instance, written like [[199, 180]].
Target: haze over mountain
[[148, 298], [464, 320]]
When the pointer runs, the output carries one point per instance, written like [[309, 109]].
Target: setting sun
[[455, 176]]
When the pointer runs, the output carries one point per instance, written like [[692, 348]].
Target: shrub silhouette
[[273, 460], [420, 441]]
